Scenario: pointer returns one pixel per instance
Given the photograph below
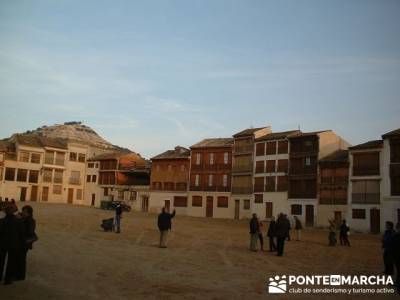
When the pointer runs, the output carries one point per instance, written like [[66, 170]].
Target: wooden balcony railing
[[243, 149], [242, 190], [365, 198]]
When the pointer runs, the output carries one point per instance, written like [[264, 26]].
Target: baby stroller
[[107, 224]]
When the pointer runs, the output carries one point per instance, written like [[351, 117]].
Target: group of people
[[17, 235], [278, 232], [344, 232], [391, 250]]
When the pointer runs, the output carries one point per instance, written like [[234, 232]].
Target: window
[[180, 201], [226, 158], [75, 177], [78, 194], [271, 148], [10, 174], [24, 156], [260, 149], [258, 198], [259, 184], [156, 185], [308, 161], [181, 186], [296, 209], [270, 183], [260, 166], [35, 158], [57, 189], [210, 179], [96, 165], [60, 158], [197, 180], [120, 195], [366, 192], [282, 183], [94, 178], [58, 176], [72, 156], [246, 204], [283, 165], [198, 158], [47, 175], [90, 165], [132, 195], [88, 178], [197, 201], [49, 157], [81, 157], [212, 158], [283, 147], [358, 213], [270, 166], [222, 201], [366, 163], [1, 157], [22, 175], [224, 180], [33, 176], [394, 151]]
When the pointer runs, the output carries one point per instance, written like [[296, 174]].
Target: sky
[[150, 75]]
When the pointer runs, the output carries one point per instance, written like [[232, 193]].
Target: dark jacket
[[396, 246], [298, 225], [282, 227], [118, 210], [387, 240], [272, 229], [344, 229], [28, 226], [164, 220], [10, 233], [254, 226]]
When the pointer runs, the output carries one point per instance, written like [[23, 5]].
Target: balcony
[[258, 188], [73, 180], [365, 198], [242, 190], [366, 171], [308, 170], [213, 167], [242, 168], [195, 188], [243, 149], [10, 156]]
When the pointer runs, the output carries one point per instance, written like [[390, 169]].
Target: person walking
[[164, 225], [332, 233], [290, 227], [298, 228], [254, 231], [282, 232], [28, 226], [118, 217], [387, 246], [344, 234], [260, 235], [10, 241], [271, 234]]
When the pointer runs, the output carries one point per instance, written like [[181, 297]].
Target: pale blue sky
[[153, 74]]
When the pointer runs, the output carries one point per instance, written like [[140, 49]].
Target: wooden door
[[268, 210], [310, 215], [209, 207], [338, 218], [167, 205], [237, 209], [70, 195], [93, 199], [145, 203], [34, 193], [45, 194], [22, 196], [375, 220]]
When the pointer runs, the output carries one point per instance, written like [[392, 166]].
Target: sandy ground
[[206, 259]]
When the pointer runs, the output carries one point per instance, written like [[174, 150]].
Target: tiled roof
[[109, 155], [246, 132], [278, 135], [392, 133], [212, 143], [178, 152], [337, 156], [304, 134], [368, 145]]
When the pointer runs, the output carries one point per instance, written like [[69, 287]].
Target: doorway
[[22, 196], [167, 204], [70, 195], [45, 194], [34, 193], [237, 209], [268, 210], [375, 220], [93, 199], [310, 215], [338, 218], [145, 204], [209, 207]]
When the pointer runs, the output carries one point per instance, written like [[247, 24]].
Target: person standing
[[271, 234], [118, 217], [282, 232], [396, 255], [164, 225], [387, 246], [332, 233], [28, 226], [254, 230], [260, 235], [344, 234], [298, 228], [10, 241]]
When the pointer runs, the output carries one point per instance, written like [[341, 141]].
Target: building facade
[[210, 179], [169, 181]]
